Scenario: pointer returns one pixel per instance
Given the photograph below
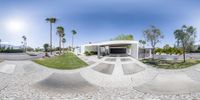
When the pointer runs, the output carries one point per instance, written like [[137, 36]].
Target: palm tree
[[73, 33], [51, 21], [63, 42], [60, 33], [24, 42]]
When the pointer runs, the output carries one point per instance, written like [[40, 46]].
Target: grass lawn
[[65, 61], [170, 64]]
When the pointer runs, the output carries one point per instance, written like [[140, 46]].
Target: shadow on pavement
[[63, 83]]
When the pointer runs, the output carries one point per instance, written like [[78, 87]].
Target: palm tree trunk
[[72, 42], [63, 47], [60, 45], [51, 38], [183, 54], [25, 46]]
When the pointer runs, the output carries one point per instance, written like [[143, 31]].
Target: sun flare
[[15, 25]]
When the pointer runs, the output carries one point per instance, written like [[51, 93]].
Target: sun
[[15, 25]]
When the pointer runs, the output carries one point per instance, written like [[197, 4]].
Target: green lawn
[[170, 64], [65, 61]]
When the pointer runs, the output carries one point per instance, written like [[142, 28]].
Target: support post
[[150, 53], [98, 53], [137, 57]]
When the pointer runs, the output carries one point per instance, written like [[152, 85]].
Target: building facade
[[111, 48]]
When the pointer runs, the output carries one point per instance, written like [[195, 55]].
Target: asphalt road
[[19, 56]]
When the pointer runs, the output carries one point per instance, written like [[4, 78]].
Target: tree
[[123, 37], [51, 21], [166, 46], [24, 42], [142, 42], [166, 49], [73, 33], [38, 49], [153, 35], [185, 37], [63, 41], [46, 48], [60, 33]]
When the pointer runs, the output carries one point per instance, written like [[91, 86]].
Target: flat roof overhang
[[113, 43]]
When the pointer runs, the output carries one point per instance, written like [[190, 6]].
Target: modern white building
[[112, 48]]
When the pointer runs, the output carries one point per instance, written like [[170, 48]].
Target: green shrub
[[159, 51], [93, 52], [179, 51], [169, 50], [87, 53]]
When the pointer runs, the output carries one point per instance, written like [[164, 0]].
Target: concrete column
[[137, 57], [98, 51], [134, 50], [150, 53]]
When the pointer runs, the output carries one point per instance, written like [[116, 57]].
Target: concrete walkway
[[110, 78], [118, 78]]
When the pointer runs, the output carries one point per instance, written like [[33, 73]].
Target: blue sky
[[95, 20]]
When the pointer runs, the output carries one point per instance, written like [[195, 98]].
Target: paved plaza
[[108, 78]]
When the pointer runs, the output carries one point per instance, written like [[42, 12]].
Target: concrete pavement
[[130, 79]]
